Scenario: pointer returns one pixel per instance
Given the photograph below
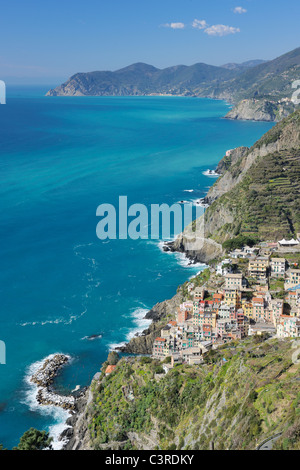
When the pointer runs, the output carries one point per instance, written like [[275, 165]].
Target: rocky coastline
[[261, 110], [76, 436]]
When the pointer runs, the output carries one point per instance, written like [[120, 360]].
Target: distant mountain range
[[143, 79], [269, 81], [272, 79], [244, 65]]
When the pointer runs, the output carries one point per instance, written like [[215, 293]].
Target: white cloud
[[221, 30], [199, 24], [214, 30], [174, 25], [239, 10]]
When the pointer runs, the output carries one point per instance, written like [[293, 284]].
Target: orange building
[[109, 369]]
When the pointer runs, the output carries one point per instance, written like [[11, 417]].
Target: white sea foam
[[181, 258], [59, 415], [141, 324], [140, 321], [199, 202], [188, 190], [114, 346], [211, 173], [92, 337], [186, 262], [65, 321], [56, 430]]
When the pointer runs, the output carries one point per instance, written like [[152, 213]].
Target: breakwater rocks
[[44, 378]]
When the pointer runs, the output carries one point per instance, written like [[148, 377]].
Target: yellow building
[[247, 308], [232, 297], [258, 267]]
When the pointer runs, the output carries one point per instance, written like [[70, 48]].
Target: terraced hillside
[[244, 393], [257, 194], [272, 80], [265, 202]]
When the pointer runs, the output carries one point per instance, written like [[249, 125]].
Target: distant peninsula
[[259, 90]]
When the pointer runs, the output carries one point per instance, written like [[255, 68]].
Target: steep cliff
[[257, 193], [283, 136], [261, 110], [161, 313]]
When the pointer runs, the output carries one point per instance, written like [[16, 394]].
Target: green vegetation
[[198, 281], [276, 284], [35, 440], [236, 403], [264, 205], [263, 201], [293, 259], [240, 241], [113, 358], [269, 80]]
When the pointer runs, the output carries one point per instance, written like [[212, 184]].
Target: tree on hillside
[[113, 358], [35, 440]]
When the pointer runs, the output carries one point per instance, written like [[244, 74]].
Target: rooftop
[[110, 369]]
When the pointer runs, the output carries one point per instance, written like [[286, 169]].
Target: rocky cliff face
[[160, 313], [261, 110], [283, 136], [200, 250], [235, 166], [77, 434]]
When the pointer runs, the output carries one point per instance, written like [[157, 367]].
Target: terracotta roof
[[173, 323], [110, 369], [206, 327], [257, 299], [160, 339]]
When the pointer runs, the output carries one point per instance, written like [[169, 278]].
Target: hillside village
[[254, 290]]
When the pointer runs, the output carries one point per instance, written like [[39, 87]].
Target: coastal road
[[268, 443]]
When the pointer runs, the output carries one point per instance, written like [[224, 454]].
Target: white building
[[234, 281], [288, 327], [224, 267], [278, 267]]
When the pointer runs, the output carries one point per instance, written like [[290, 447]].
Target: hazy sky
[[44, 40]]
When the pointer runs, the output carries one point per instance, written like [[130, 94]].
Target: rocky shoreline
[[76, 435]]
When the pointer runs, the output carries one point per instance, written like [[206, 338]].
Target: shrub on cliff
[[113, 358], [35, 440]]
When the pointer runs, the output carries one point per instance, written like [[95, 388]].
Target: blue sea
[[60, 158]]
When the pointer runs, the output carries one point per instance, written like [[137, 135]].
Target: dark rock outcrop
[[161, 311]]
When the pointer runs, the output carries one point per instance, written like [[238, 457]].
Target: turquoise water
[[60, 158]]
